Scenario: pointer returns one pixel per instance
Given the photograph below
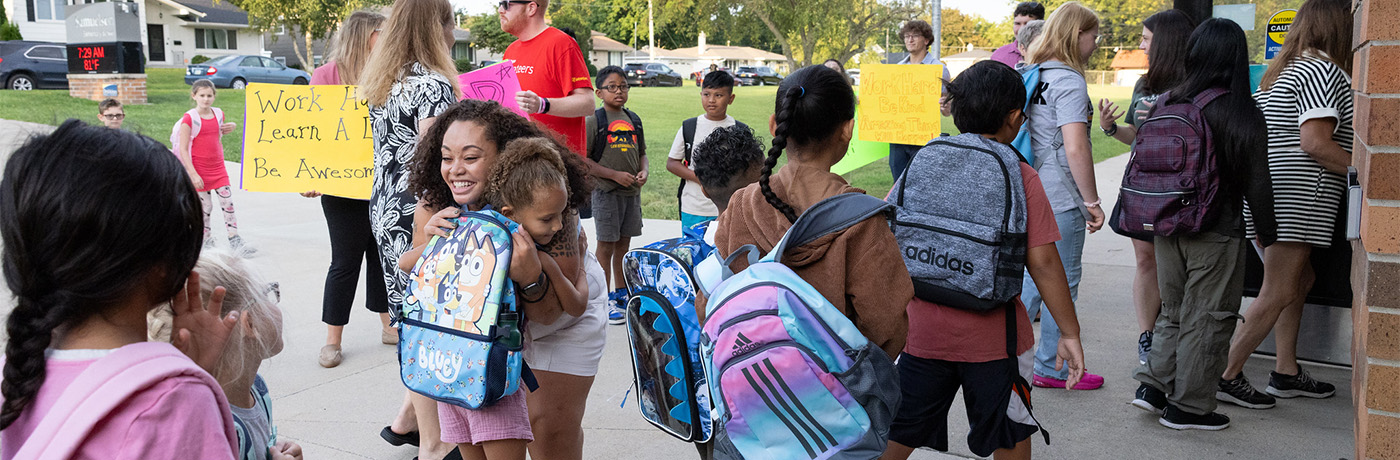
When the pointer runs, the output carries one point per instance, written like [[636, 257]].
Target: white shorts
[[573, 345]]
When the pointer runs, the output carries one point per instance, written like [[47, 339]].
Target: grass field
[[661, 110]]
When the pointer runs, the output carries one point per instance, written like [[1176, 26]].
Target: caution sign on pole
[[1278, 27]]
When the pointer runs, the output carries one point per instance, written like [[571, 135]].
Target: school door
[[155, 42]]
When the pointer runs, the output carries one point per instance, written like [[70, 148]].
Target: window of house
[[46, 10], [216, 39]]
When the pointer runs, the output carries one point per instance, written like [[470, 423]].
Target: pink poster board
[[496, 82]]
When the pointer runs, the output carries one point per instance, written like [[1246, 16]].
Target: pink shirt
[[326, 74], [177, 418], [1008, 54], [207, 152]]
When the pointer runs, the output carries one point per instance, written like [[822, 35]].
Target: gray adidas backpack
[[961, 222]]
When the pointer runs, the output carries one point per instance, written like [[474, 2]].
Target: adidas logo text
[[742, 345], [930, 256]]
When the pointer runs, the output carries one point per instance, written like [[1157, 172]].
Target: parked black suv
[[652, 74], [26, 65], [758, 76]]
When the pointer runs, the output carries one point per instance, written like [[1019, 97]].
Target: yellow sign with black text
[[298, 138], [899, 103]]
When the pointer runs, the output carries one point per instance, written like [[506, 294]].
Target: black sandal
[[410, 438]]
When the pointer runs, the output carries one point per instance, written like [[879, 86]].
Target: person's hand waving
[[197, 330]]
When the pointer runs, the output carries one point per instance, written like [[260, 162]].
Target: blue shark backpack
[[791, 376], [459, 339], [664, 334]]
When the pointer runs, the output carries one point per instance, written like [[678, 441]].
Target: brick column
[[1376, 264], [131, 87]]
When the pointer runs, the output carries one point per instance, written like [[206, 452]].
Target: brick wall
[[131, 87], [1376, 266]]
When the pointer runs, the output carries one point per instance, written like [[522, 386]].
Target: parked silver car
[[238, 70]]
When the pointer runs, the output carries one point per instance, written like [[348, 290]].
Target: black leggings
[[351, 241]]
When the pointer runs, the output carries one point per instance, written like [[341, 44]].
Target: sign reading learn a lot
[[899, 103], [298, 138]]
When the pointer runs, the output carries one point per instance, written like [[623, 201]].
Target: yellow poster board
[[899, 103], [298, 138]]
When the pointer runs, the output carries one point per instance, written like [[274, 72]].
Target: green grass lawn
[[661, 109]]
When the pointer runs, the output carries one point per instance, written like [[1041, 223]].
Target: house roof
[[601, 42], [461, 35], [211, 12], [974, 55], [1130, 59], [663, 53]]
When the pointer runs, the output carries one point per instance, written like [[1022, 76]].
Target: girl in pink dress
[[197, 142]]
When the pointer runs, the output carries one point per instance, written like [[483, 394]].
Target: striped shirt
[[1307, 197]]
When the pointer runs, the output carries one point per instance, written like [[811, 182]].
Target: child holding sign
[[196, 142]]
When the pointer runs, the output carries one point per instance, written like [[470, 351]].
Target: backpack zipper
[[769, 346], [446, 330], [1164, 193], [845, 347], [749, 315], [1005, 177], [945, 232]]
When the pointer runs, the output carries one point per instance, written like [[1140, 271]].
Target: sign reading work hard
[[1276, 31], [496, 82], [298, 138], [899, 103]]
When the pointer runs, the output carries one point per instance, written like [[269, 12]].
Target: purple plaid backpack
[[1173, 179]]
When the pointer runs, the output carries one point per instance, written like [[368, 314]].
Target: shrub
[[9, 31], [199, 59], [464, 65]]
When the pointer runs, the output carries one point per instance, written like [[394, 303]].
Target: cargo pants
[[1202, 281]]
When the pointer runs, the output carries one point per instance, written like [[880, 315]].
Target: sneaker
[[1089, 382], [1292, 386], [1239, 392], [1144, 346], [1178, 419], [236, 242], [1150, 399], [617, 312]]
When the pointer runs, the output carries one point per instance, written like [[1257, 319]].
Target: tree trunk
[[757, 6], [304, 53]]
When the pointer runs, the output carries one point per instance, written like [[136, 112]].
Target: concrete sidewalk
[[337, 413]]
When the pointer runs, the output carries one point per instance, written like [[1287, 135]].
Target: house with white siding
[[175, 30]]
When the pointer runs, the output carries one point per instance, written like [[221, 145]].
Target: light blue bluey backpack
[[664, 334], [459, 334], [791, 376]]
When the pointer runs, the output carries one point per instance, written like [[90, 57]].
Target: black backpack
[[600, 136], [688, 136]]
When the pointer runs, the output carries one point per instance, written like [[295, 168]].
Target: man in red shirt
[[556, 88]]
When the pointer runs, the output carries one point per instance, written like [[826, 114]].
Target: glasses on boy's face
[[615, 88], [505, 4], [114, 116]]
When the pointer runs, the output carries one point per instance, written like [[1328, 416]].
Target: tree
[[839, 29], [487, 33], [308, 20]]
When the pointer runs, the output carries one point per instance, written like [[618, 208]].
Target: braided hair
[[811, 104], [89, 217]]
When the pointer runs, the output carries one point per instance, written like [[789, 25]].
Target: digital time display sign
[[92, 58]]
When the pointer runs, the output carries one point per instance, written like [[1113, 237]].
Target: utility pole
[[936, 20], [651, 30]]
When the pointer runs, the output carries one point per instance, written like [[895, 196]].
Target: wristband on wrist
[[544, 105], [1093, 204], [1110, 131]]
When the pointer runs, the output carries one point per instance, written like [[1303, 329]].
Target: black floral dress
[[420, 94]]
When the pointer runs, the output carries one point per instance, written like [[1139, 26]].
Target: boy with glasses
[[111, 113], [617, 156]]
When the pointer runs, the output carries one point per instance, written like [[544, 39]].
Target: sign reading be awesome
[[899, 103], [298, 138]]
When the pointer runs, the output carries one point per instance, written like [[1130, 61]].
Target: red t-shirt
[[207, 152], [950, 334], [551, 65]]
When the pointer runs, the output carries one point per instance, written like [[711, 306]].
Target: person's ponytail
[[30, 329], [786, 104]]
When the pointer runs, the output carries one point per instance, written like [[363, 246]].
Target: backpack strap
[[1208, 96], [688, 137], [637, 128], [830, 215], [595, 149], [105, 385]]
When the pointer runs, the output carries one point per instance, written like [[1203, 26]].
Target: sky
[[989, 9]]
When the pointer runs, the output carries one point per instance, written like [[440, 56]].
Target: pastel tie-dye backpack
[[459, 333], [791, 376], [664, 334]]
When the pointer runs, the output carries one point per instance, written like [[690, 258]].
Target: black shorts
[[998, 417]]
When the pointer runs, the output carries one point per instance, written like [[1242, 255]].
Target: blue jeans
[[689, 220], [1071, 248], [900, 157]]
